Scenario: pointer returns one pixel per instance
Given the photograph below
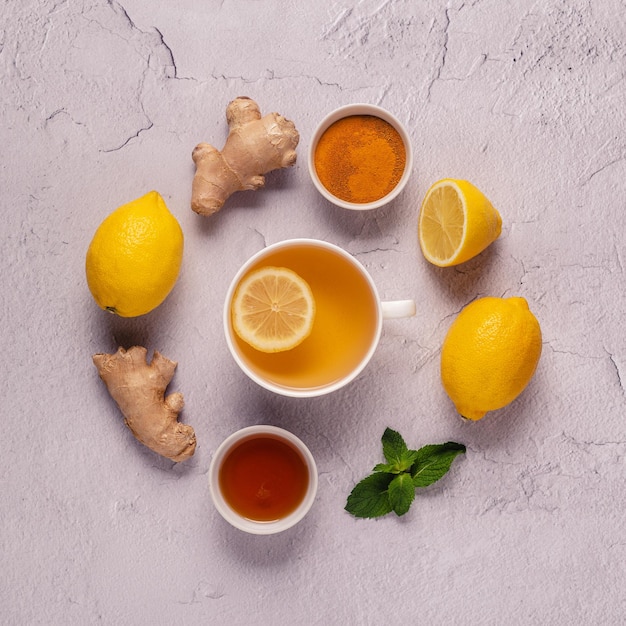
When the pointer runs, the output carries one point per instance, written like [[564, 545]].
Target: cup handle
[[398, 308]]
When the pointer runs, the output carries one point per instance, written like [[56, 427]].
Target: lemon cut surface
[[457, 222], [490, 354], [273, 309], [134, 258]]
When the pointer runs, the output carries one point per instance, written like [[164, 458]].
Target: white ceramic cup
[[331, 261], [360, 109], [235, 518]]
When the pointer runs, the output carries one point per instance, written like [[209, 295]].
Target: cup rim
[[360, 108], [300, 392], [243, 523]]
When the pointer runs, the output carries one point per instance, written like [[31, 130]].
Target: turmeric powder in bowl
[[360, 157]]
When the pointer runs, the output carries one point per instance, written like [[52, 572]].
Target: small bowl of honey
[[360, 157], [263, 479]]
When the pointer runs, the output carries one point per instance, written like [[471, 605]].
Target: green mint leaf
[[369, 498], [387, 468], [433, 462], [393, 446], [408, 458], [399, 457], [392, 485], [403, 464], [401, 493]]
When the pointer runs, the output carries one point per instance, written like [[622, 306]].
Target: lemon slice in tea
[[273, 309], [456, 223]]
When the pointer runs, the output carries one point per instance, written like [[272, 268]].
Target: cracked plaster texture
[[104, 100]]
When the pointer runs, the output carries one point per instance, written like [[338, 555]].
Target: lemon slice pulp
[[457, 222], [273, 309]]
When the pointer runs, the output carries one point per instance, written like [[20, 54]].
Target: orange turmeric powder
[[360, 158]]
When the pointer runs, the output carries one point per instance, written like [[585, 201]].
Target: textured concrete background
[[102, 101]]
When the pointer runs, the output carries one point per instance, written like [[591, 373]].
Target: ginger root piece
[[255, 145], [138, 388]]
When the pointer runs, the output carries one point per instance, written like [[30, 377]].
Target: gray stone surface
[[102, 101]]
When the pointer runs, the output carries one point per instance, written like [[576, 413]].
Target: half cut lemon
[[273, 309], [457, 222]]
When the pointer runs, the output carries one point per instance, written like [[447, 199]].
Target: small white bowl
[[235, 518], [360, 109]]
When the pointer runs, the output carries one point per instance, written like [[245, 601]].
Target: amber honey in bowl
[[264, 478]]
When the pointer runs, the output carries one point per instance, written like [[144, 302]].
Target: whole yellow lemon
[[489, 355], [134, 258]]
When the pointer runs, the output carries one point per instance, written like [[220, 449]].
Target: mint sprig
[[391, 486]]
